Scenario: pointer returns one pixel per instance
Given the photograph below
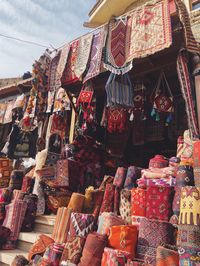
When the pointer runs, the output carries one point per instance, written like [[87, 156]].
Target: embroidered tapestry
[[83, 54], [61, 64], [115, 53], [150, 29], [95, 55]]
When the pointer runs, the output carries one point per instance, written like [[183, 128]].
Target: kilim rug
[[95, 55], [149, 29], [115, 54], [83, 54], [191, 44], [69, 75], [53, 73], [184, 79], [61, 64]]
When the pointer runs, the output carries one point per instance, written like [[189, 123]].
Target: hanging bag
[[119, 91], [162, 99]]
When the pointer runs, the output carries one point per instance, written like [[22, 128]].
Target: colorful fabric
[[69, 75], [133, 173], [135, 220], [187, 146], [197, 176], [95, 55], [188, 256], [52, 82], [61, 226], [97, 201], [28, 181], [73, 249], [115, 56], [196, 153], [125, 205], [52, 255], [113, 257], [184, 79], [40, 246], [177, 201], [106, 180], [124, 238], [180, 143], [5, 195], [20, 260], [81, 224], [93, 249], [190, 41], [167, 257], [106, 220], [57, 200], [119, 91], [76, 202], [159, 203], [108, 199], [138, 202], [120, 177], [83, 54], [185, 176], [61, 64], [154, 18], [188, 236], [8, 113], [190, 206], [116, 200], [156, 182], [158, 161], [2, 212], [136, 262], [15, 211], [152, 233]]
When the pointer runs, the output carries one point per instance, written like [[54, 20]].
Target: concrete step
[[45, 223], [7, 256]]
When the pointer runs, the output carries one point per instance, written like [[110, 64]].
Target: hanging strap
[[156, 89]]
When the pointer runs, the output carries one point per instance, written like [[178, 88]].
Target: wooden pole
[[73, 121]]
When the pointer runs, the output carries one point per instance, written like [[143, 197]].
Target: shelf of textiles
[[135, 217]]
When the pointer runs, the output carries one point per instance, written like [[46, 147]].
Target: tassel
[[131, 117], [157, 117], [153, 112], [169, 119]]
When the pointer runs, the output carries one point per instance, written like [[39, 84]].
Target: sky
[[48, 22]]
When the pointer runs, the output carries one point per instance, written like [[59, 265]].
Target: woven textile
[[28, 181], [113, 257], [52, 255], [29, 218], [76, 202], [117, 200], [5, 195], [185, 176], [135, 220], [159, 203], [81, 224], [20, 260], [158, 161], [188, 236], [73, 249], [83, 54], [176, 201], [93, 250], [62, 223], [97, 201], [196, 153], [115, 54], [120, 177], [189, 257], [197, 176], [69, 75], [108, 199], [14, 212], [138, 202], [95, 55], [187, 146], [52, 82], [125, 205], [133, 173], [156, 182], [40, 246], [191, 44], [106, 220], [150, 29], [124, 238], [152, 233], [180, 142], [190, 206], [167, 257], [184, 79], [61, 64], [2, 212]]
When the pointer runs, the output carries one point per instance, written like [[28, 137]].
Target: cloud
[[46, 22]]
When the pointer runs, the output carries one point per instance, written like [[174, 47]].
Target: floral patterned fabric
[[108, 199], [106, 220], [138, 202]]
